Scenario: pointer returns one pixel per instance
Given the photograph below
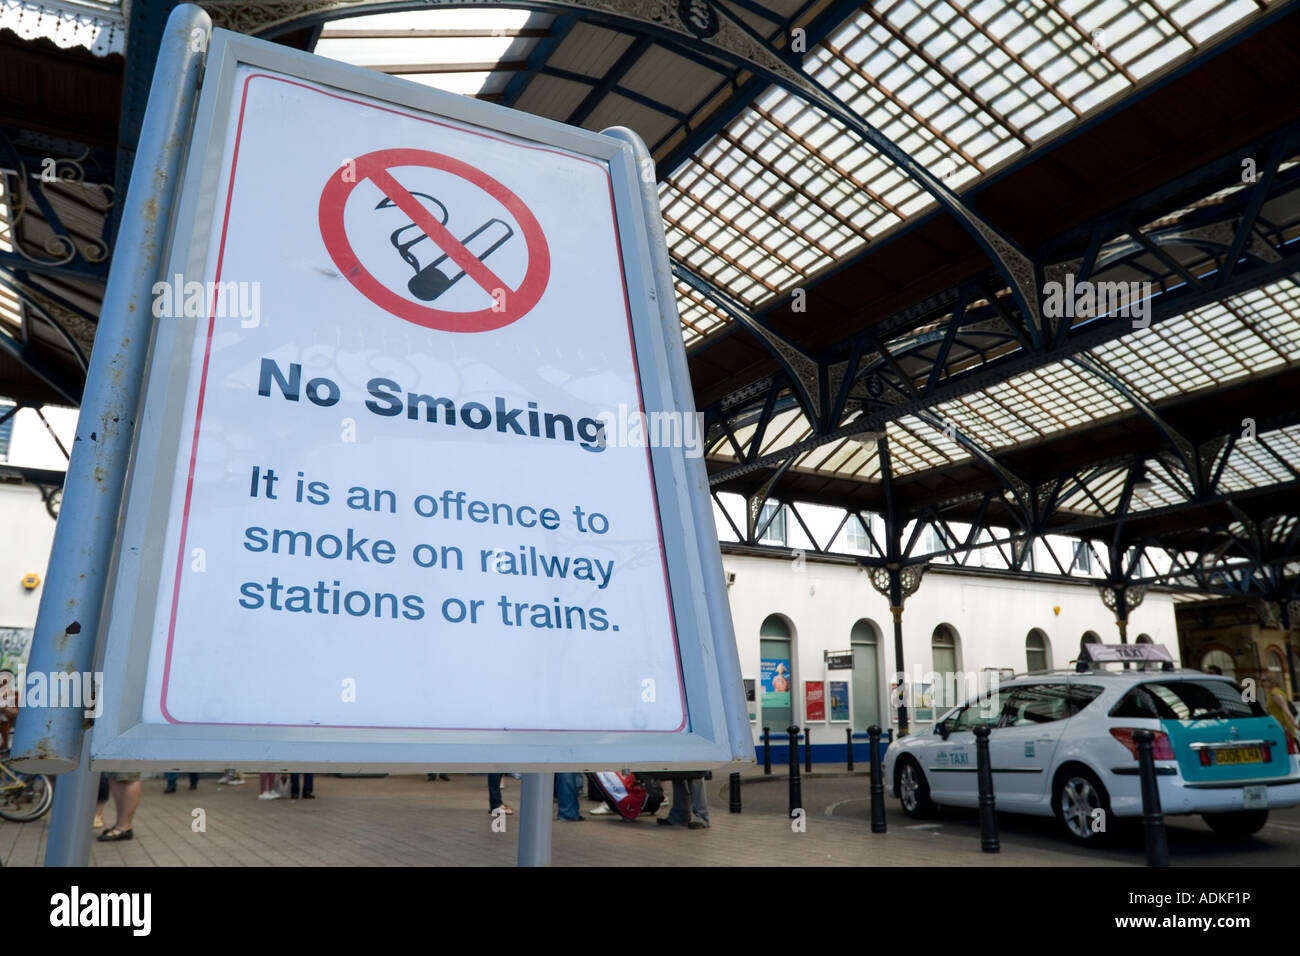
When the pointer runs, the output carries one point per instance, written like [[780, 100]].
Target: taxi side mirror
[[942, 729]]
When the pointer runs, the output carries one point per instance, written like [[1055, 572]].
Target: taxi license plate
[[1239, 755], [1254, 798]]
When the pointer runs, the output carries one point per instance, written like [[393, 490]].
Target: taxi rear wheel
[[1240, 823], [913, 792], [1082, 806]]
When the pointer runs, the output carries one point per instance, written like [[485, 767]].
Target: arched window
[[1218, 661], [1276, 667], [865, 641], [776, 667], [1038, 652], [1146, 665], [944, 659], [1089, 637]]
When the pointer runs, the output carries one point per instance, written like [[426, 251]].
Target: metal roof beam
[[42, 368]]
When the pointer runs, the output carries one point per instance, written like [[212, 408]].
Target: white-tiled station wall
[[990, 617]]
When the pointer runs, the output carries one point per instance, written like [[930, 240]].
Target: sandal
[[113, 834]]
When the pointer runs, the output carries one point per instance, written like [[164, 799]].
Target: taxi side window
[[1139, 702], [986, 712], [1038, 704], [1081, 695]]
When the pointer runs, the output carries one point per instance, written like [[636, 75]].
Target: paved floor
[[409, 821]]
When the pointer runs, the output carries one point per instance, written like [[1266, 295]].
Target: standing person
[[494, 796], [1279, 708], [690, 804], [126, 789], [566, 795], [100, 799], [266, 787], [307, 779], [171, 782]]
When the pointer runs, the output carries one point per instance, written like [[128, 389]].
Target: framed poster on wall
[[814, 700], [776, 682], [839, 694]]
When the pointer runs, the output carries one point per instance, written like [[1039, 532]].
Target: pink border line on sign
[[198, 417]]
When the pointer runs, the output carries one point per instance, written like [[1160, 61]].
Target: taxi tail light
[[1161, 748], [1292, 747]]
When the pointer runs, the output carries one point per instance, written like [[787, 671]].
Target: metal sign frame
[[717, 728]]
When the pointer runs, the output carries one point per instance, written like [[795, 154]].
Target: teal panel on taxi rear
[[1184, 733]]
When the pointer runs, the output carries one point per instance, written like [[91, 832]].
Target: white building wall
[[26, 528], [991, 616], [27, 532]]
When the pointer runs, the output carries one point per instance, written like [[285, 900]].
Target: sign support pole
[[52, 739], [535, 819], [714, 580]]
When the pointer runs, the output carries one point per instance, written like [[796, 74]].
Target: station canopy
[[865, 330]]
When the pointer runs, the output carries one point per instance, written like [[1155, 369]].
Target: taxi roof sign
[[1124, 653]]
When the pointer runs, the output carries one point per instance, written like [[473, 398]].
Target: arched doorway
[[865, 640], [1089, 637], [776, 673]]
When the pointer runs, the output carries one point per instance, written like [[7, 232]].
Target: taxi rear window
[[1186, 700]]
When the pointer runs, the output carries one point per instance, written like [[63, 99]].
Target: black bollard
[[1153, 818], [796, 788], [734, 781], [767, 751], [848, 748], [807, 749], [988, 811], [877, 781]]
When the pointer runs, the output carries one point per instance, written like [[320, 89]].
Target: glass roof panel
[[960, 86], [469, 51]]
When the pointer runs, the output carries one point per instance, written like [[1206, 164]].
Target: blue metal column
[[50, 739]]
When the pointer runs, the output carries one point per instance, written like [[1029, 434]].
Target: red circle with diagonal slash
[[376, 167]]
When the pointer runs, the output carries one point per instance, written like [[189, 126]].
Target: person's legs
[[680, 814], [494, 791], [100, 799], [194, 781], [293, 785], [699, 802], [566, 792], [171, 783], [307, 780], [265, 783], [126, 797]]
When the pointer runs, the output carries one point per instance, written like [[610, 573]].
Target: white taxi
[[1061, 744]]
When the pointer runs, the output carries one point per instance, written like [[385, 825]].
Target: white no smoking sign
[[387, 502]]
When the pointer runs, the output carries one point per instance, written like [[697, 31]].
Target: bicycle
[[24, 796]]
